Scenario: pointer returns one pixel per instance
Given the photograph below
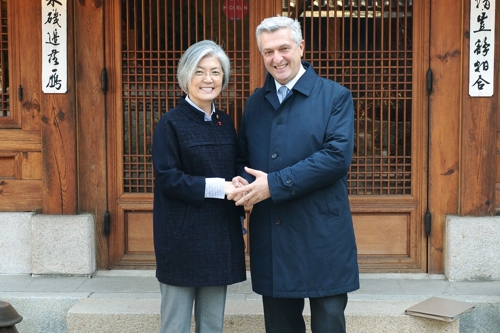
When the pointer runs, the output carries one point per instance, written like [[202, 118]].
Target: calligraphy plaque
[[54, 46], [482, 48]]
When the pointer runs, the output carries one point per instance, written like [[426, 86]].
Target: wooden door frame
[[91, 119], [112, 26], [419, 155], [444, 104], [261, 9], [420, 101], [461, 176]]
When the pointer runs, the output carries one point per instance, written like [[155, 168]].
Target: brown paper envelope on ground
[[440, 309]]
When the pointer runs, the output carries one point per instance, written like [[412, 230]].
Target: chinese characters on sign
[[54, 46], [482, 48]]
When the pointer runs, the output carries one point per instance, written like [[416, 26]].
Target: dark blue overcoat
[[198, 241], [302, 240]]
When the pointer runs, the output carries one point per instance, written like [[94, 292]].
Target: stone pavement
[[56, 304]]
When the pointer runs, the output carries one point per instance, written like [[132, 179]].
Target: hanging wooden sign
[[482, 48], [54, 46]]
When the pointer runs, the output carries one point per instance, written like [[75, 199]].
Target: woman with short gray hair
[[198, 235], [193, 55]]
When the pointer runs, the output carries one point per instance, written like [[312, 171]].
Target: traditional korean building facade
[[83, 84]]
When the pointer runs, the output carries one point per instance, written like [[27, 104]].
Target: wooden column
[[444, 122], [478, 139], [114, 104], [59, 139], [90, 106], [259, 11]]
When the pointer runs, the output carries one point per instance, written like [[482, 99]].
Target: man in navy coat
[[293, 157]]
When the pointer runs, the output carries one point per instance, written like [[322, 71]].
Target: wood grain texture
[[259, 11], [478, 142], [112, 31], [59, 140], [444, 122], [29, 48], [20, 195], [18, 140], [20, 144], [91, 110]]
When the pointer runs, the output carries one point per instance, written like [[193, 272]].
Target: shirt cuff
[[214, 188]]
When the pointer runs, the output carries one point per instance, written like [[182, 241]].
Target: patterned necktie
[[282, 92]]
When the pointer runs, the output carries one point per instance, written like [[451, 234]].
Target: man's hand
[[250, 194], [237, 182]]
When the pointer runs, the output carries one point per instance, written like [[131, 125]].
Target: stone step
[[124, 315], [129, 301]]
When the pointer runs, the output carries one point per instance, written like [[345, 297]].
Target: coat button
[[293, 192], [274, 156], [288, 181], [278, 222]]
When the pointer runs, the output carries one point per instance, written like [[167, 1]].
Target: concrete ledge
[[107, 315], [471, 248], [63, 244], [42, 312], [113, 302], [15, 243], [388, 316], [485, 318]]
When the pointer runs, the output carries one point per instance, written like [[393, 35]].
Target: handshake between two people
[[245, 194]]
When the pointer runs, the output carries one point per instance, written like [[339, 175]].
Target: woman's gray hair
[[192, 57], [272, 24]]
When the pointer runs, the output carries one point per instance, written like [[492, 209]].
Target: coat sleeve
[[169, 176], [328, 164]]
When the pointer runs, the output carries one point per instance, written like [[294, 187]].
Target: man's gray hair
[[272, 24], [192, 57]]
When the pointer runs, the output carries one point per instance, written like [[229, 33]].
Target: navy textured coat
[[198, 242], [302, 240]]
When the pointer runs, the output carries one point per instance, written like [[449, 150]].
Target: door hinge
[[20, 93], [107, 223], [104, 80], [429, 80], [428, 223]]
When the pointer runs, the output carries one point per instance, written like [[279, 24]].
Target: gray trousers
[[177, 308]]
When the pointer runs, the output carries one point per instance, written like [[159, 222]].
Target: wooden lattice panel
[[155, 34], [366, 46]]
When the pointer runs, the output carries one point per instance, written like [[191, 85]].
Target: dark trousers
[[284, 315]]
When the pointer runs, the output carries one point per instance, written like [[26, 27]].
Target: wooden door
[[147, 38], [378, 49], [21, 173]]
